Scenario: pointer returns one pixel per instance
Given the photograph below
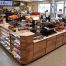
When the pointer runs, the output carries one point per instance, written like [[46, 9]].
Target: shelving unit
[[25, 25], [14, 43], [15, 46], [5, 38], [25, 49]]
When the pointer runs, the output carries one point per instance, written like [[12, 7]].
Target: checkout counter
[[23, 46]]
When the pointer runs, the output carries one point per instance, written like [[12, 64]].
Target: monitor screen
[[5, 2]]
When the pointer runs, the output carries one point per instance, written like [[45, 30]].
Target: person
[[59, 14], [6, 12], [47, 14]]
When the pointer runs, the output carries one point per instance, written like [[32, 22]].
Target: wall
[[34, 5]]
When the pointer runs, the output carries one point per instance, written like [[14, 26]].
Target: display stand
[[25, 49]]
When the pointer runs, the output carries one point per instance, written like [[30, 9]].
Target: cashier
[[47, 14]]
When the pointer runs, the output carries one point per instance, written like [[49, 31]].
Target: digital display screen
[[6, 2]]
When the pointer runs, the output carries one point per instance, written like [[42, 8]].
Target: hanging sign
[[5, 2]]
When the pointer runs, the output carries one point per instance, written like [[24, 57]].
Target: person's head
[[60, 9], [46, 10]]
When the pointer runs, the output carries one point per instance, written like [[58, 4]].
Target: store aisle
[[55, 58], [6, 59]]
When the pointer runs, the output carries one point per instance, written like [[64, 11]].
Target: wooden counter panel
[[49, 49], [28, 39], [51, 38], [59, 41], [51, 44], [27, 53], [64, 39], [65, 34], [60, 35], [26, 57], [39, 53], [40, 44], [39, 49]]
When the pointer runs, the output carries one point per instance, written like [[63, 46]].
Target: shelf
[[6, 42], [3, 30], [5, 38], [17, 47], [14, 37], [16, 55], [17, 42], [3, 27], [2, 42], [5, 45], [4, 33]]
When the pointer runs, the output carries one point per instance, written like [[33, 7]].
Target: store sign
[[5, 3]]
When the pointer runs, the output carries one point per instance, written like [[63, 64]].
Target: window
[[60, 5], [43, 7]]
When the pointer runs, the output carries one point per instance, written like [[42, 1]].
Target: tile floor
[[55, 58]]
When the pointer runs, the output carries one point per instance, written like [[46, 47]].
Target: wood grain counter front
[[39, 49], [64, 39], [51, 42], [59, 40], [31, 49]]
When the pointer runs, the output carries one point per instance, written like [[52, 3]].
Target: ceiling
[[39, 0]]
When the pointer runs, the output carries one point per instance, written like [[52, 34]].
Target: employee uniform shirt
[[47, 14]]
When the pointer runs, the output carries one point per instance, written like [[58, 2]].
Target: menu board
[[5, 2]]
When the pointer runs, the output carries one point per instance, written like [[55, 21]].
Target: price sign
[[5, 3]]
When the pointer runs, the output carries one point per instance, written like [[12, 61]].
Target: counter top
[[37, 40], [18, 33], [28, 33], [22, 33]]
